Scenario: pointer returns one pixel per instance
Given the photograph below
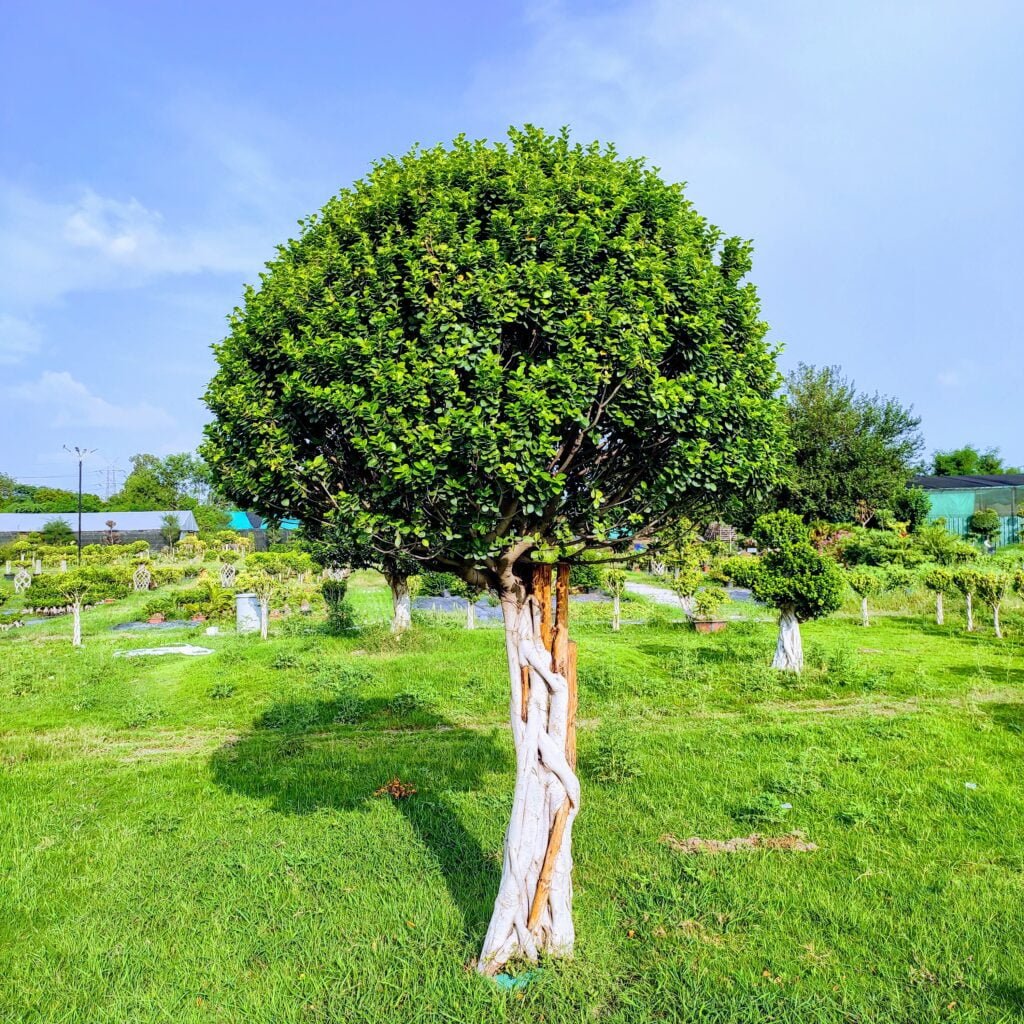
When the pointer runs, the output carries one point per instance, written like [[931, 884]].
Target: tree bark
[[533, 909], [864, 620], [264, 617], [76, 623], [616, 619], [470, 613], [970, 613], [789, 651], [995, 621], [401, 601], [940, 612]]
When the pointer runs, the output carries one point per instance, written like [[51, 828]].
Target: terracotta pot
[[709, 625], [198, 618], [155, 620]]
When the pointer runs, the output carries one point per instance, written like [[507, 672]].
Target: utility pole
[[80, 454]]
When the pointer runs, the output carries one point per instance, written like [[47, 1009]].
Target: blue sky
[[152, 155]]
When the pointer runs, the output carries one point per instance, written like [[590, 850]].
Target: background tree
[[849, 449], [56, 531], [485, 353], [992, 588], [170, 529], [969, 461], [939, 580], [965, 579], [792, 576], [615, 583], [865, 583], [912, 506]]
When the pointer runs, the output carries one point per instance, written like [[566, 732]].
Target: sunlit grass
[[199, 839]]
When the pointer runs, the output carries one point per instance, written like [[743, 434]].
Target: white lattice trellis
[[227, 575], [22, 580], [142, 578]]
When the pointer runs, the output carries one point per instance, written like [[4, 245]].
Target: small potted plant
[[707, 603]]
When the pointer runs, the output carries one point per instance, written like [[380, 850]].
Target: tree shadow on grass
[[309, 755], [1008, 716]]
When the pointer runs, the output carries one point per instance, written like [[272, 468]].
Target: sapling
[[965, 579], [615, 584], [992, 588], [939, 580], [865, 583]]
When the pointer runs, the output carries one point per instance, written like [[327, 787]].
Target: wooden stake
[[540, 896], [542, 592]]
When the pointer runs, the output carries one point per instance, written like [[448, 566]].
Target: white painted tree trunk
[[940, 611], [544, 783], [264, 617], [970, 613], [401, 602], [76, 623], [616, 613], [470, 613], [789, 651], [995, 621], [864, 620]]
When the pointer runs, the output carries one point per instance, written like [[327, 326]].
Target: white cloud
[[72, 404], [51, 248], [18, 338]]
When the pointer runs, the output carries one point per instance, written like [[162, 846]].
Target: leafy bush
[[585, 577], [95, 582], [339, 612], [708, 601], [435, 584]]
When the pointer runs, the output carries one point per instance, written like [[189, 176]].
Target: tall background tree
[[486, 354], [970, 461], [851, 453]]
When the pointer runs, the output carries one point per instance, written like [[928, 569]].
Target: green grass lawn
[[199, 839]]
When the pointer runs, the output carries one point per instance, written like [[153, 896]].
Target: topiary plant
[[939, 580], [985, 525], [866, 583], [992, 587], [794, 577], [965, 579]]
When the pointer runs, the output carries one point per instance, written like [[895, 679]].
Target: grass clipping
[[795, 842]]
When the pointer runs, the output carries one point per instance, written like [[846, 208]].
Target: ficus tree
[[965, 579], [939, 580], [992, 588], [792, 576], [484, 355], [865, 583]]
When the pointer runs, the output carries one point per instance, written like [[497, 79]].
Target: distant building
[[957, 498], [128, 526]]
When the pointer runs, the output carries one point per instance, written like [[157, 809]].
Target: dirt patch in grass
[[795, 842]]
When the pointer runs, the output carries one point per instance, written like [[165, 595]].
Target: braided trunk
[[533, 909]]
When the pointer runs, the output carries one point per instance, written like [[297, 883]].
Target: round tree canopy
[[484, 349]]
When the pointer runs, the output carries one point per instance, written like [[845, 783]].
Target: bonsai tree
[[992, 588], [984, 525], [615, 584], [939, 580], [708, 601], [484, 356], [865, 583], [965, 579], [794, 577]]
